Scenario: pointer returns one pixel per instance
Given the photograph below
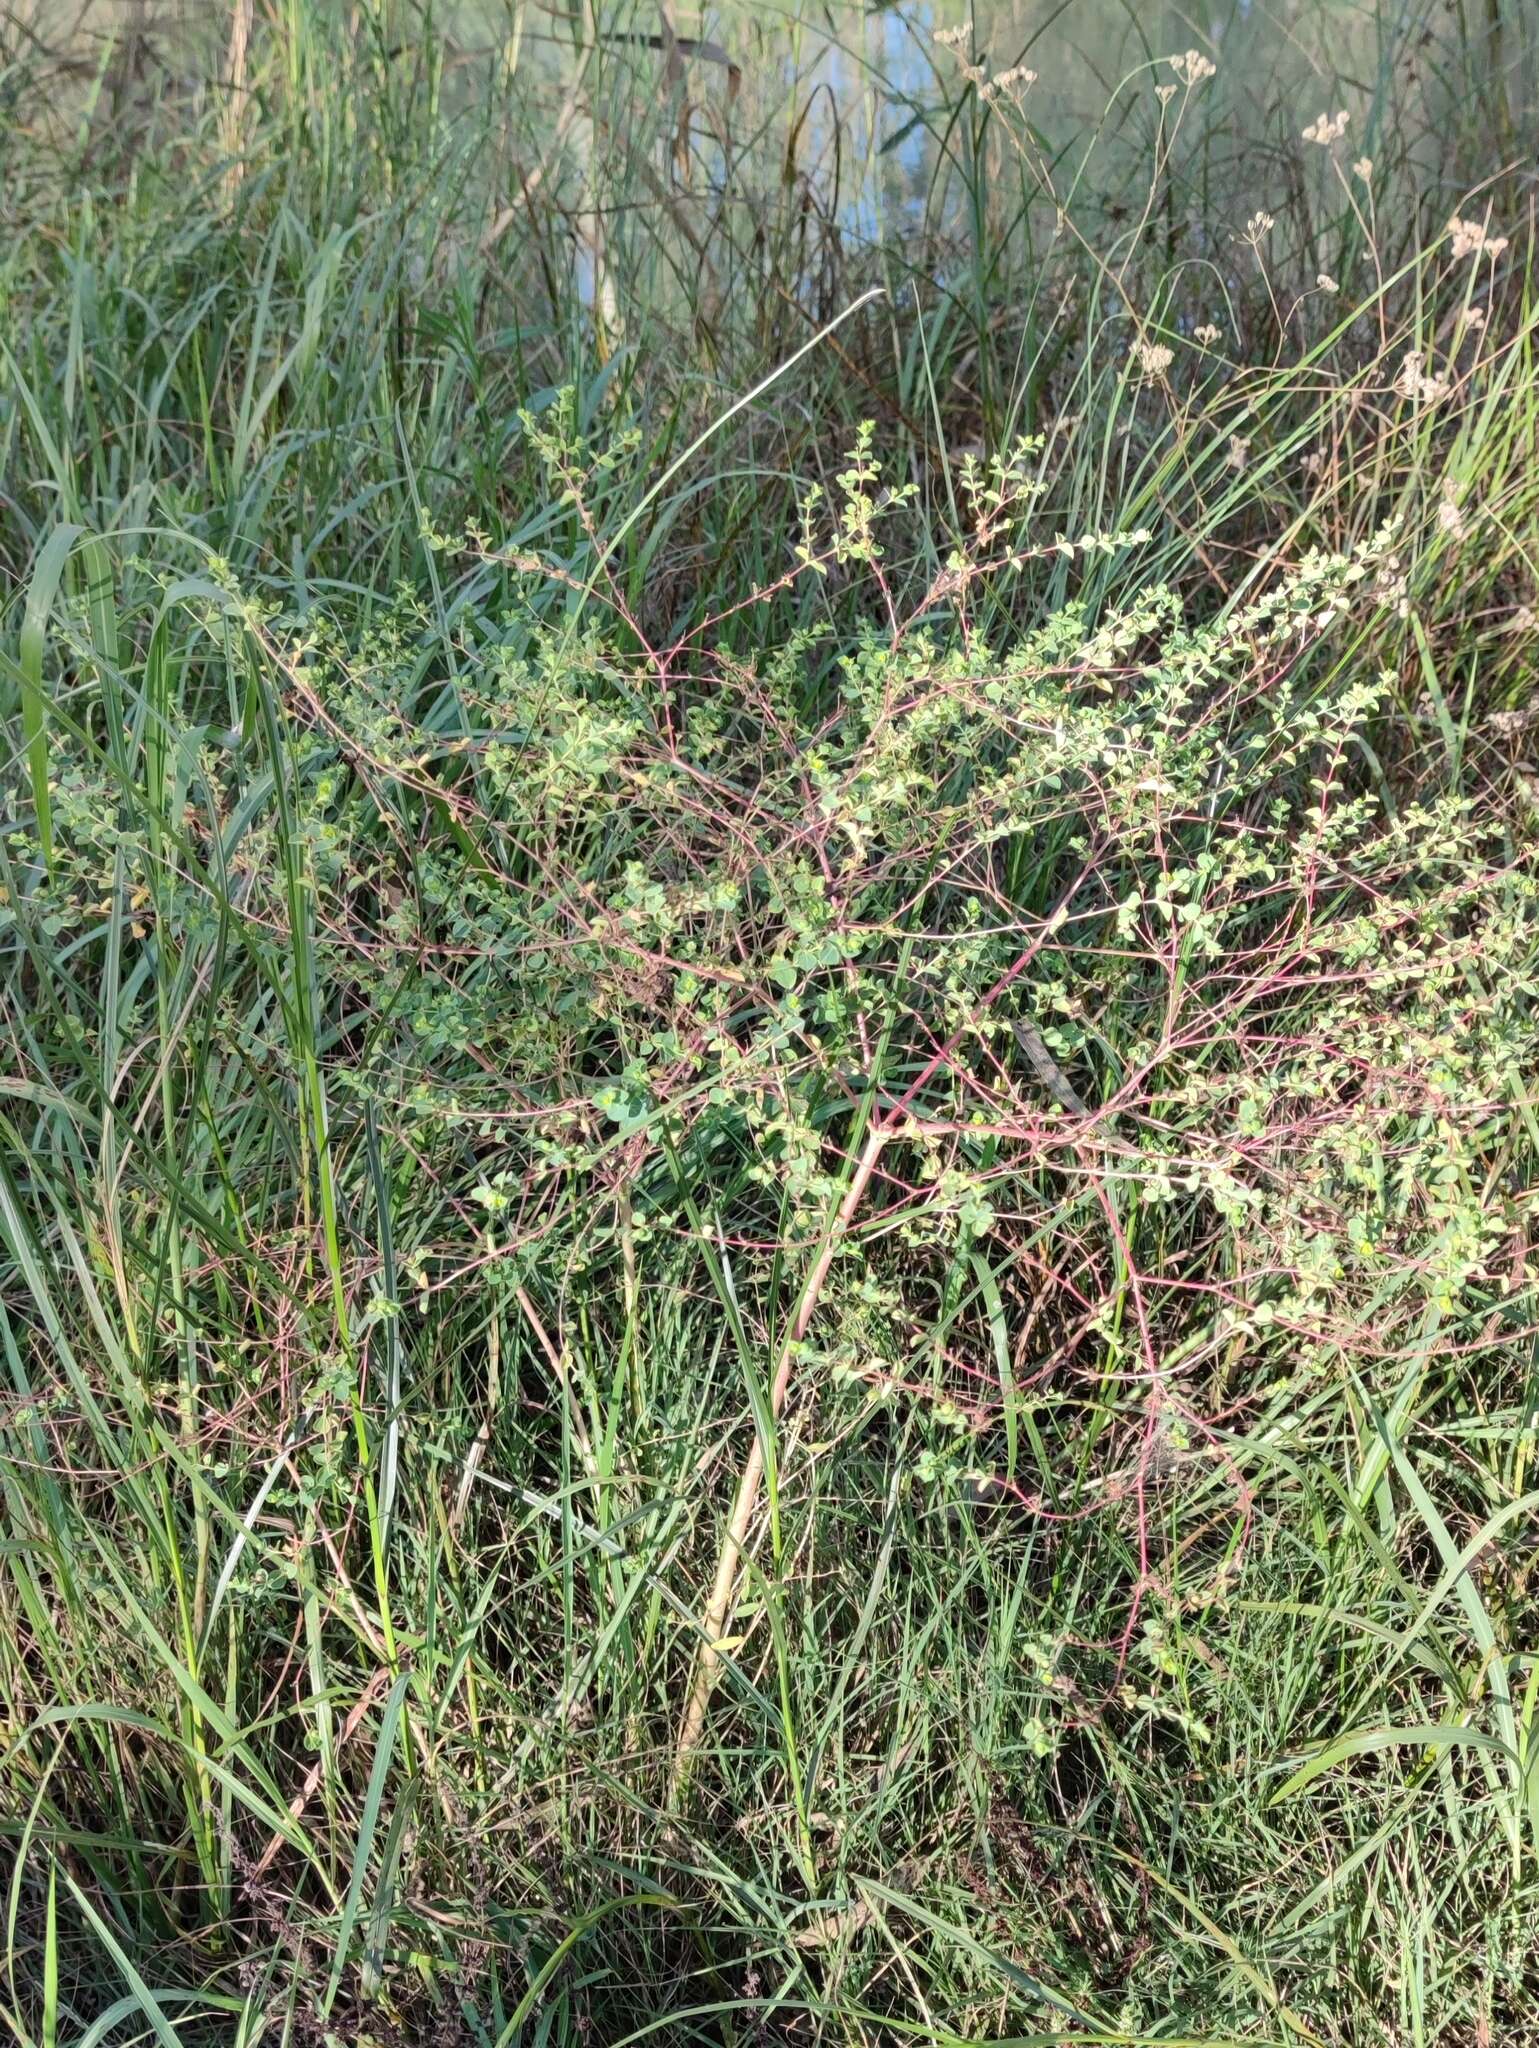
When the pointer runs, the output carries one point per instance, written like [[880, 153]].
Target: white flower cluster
[[1327, 128], [1015, 81], [1018, 79], [1471, 239], [1191, 67], [1450, 515], [1417, 383]]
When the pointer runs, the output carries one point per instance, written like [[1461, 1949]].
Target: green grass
[[767, 970]]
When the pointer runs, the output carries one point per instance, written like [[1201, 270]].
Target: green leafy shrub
[[1046, 1056]]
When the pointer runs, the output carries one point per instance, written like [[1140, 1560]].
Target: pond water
[[855, 105], [865, 111]]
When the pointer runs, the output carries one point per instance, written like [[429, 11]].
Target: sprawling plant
[[1052, 1063]]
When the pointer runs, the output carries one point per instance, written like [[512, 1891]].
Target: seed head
[[1470, 239], [1417, 383], [1017, 80], [1192, 67]]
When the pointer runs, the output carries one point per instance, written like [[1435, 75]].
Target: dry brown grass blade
[[306, 1792], [239, 92], [746, 1503]]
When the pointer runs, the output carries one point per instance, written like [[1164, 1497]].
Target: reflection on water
[[857, 115], [862, 116]]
